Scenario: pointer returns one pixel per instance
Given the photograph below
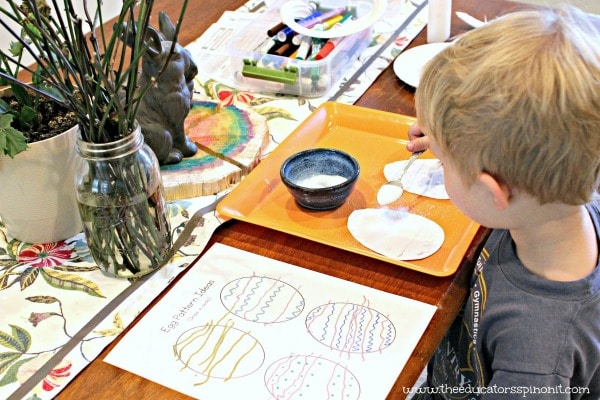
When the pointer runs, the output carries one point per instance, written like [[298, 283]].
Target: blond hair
[[520, 99]]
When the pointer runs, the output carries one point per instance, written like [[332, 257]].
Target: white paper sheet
[[243, 324]]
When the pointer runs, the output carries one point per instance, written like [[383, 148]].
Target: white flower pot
[[37, 199]]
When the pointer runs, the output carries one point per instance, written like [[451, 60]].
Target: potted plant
[[37, 204], [96, 72]]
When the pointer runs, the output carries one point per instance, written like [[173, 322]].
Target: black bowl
[[320, 179]]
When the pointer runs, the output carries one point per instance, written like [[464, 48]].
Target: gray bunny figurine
[[166, 103]]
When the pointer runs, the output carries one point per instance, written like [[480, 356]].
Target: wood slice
[[230, 142]]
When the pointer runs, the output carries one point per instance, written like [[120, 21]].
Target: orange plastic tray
[[374, 138]]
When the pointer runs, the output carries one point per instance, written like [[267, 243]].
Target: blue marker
[[287, 32]]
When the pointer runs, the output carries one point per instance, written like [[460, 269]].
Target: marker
[[275, 47], [345, 18], [287, 32], [297, 39], [329, 23], [328, 47], [330, 14], [265, 46], [285, 50], [274, 29], [337, 21], [333, 42], [316, 47], [304, 48]]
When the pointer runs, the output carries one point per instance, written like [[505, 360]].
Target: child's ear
[[499, 191]]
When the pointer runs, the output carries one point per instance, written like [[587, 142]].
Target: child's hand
[[417, 140]]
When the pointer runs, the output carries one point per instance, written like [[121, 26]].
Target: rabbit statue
[[166, 103]]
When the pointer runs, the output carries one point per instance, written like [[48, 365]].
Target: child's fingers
[[418, 144]]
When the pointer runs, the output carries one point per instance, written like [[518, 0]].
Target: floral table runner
[[49, 292]]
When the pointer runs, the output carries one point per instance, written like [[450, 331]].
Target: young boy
[[512, 110]]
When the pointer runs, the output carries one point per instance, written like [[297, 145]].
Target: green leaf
[[8, 266], [118, 321], [19, 339], [259, 101], [4, 281], [43, 299], [8, 355], [28, 114], [32, 31], [16, 48], [2, 142], [70, 282], [6, 359], [11, 373], [28, 277], [13, 248], [275, 112], [6, 120], [50, 90], [22, 95], [73, 268], [8, 341], [117, 324], [12, 141], [22, 336], [209, 89]]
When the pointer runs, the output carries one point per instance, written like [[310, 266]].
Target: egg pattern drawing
[[262, 299], [302, 377], [220, 351], [350, 328]]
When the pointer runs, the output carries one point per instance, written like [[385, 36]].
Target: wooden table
[[104, 381]]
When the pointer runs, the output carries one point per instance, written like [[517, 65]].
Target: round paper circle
[[396, 234], [425, 177]]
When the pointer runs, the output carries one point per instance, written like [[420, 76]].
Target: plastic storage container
[[249, 67]]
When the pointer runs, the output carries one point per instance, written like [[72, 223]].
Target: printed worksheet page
[[239, 322]]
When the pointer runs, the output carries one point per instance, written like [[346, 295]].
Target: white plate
[[408, 64]]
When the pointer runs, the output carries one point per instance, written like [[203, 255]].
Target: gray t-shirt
[[519, 335]]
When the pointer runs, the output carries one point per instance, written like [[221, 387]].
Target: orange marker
[[328, 47]]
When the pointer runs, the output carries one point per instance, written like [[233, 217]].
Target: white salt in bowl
[[320, 178]]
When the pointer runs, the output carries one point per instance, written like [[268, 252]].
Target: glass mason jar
[[122, 206]]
